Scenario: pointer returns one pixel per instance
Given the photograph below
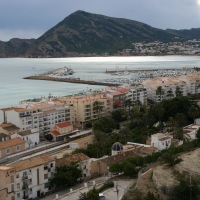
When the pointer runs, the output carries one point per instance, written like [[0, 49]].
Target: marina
[[15, 89]]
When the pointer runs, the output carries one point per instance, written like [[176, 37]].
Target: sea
[[13, 88]]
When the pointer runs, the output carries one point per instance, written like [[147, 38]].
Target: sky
[[32, 18]]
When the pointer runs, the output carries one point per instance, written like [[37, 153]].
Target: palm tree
[[97, 107], [178, 92], [193, 112], [170, 93], [128, 104], [160, 92]]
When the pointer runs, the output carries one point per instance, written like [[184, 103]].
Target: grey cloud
[[43, 14]]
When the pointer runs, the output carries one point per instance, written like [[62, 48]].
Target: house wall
[[98, 168], [13, 150], [2, 116], [83, 142], [65, 129], [13, 117], [165, 144], [7, 184], [160, 145], [31, 140], [37, 178]]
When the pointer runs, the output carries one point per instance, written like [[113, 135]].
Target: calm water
[[13, 88]]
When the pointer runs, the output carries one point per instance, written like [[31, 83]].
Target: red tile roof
[[54, 132], [11, 143], [63, 124], [71, 159]]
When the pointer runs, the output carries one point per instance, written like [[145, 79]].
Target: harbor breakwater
[[69, 80]]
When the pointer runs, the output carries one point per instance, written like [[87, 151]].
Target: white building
[[31, 137], [41, 115], [137, 94], [193, 83], [161, 141], [190, 131], [33, 177], [168, 86]]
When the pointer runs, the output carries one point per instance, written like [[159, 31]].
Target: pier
[[69, 80]]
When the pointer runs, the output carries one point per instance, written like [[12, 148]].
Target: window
[[13, 198], [45, 176], [12, 179], [18, 195], [17, 148], [8, 150], [18, 185], [51, 164], [17, 175], [12, 187]]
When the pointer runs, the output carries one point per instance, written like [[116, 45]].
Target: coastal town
[[39, 136], [189, 47]]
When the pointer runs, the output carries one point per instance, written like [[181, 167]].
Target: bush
[[48, 137], [105, 186]]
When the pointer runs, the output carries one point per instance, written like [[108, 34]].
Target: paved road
[[121, 186], [110, 194]]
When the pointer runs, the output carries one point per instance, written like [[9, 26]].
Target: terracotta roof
[[63, 124], [164, 138], [11, 142], [26, 132], [54, 132], [31, 162], [70, 159], [119, 157], [9, 108], [3, 135], [9, 126], [5, 168]]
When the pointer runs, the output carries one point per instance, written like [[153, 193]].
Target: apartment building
[[117, 95], [41, 115], [193, 83], [88, 107], [161, 88], [33, 177], [11, 146], [7, 183], [137, 94]]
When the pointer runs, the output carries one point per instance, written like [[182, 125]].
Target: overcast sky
[[31, 18]]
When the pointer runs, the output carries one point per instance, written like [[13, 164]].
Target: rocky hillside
[[86, 33], [193, 33], [83, 33], [15, 47]]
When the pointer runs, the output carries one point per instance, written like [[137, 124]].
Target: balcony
[[25, 186], [24, 177]]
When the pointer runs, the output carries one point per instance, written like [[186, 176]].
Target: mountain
[[193, 33], [83, 33], [86, 33], [15, 47]]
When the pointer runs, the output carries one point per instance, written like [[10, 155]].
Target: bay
[[13, 88]]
